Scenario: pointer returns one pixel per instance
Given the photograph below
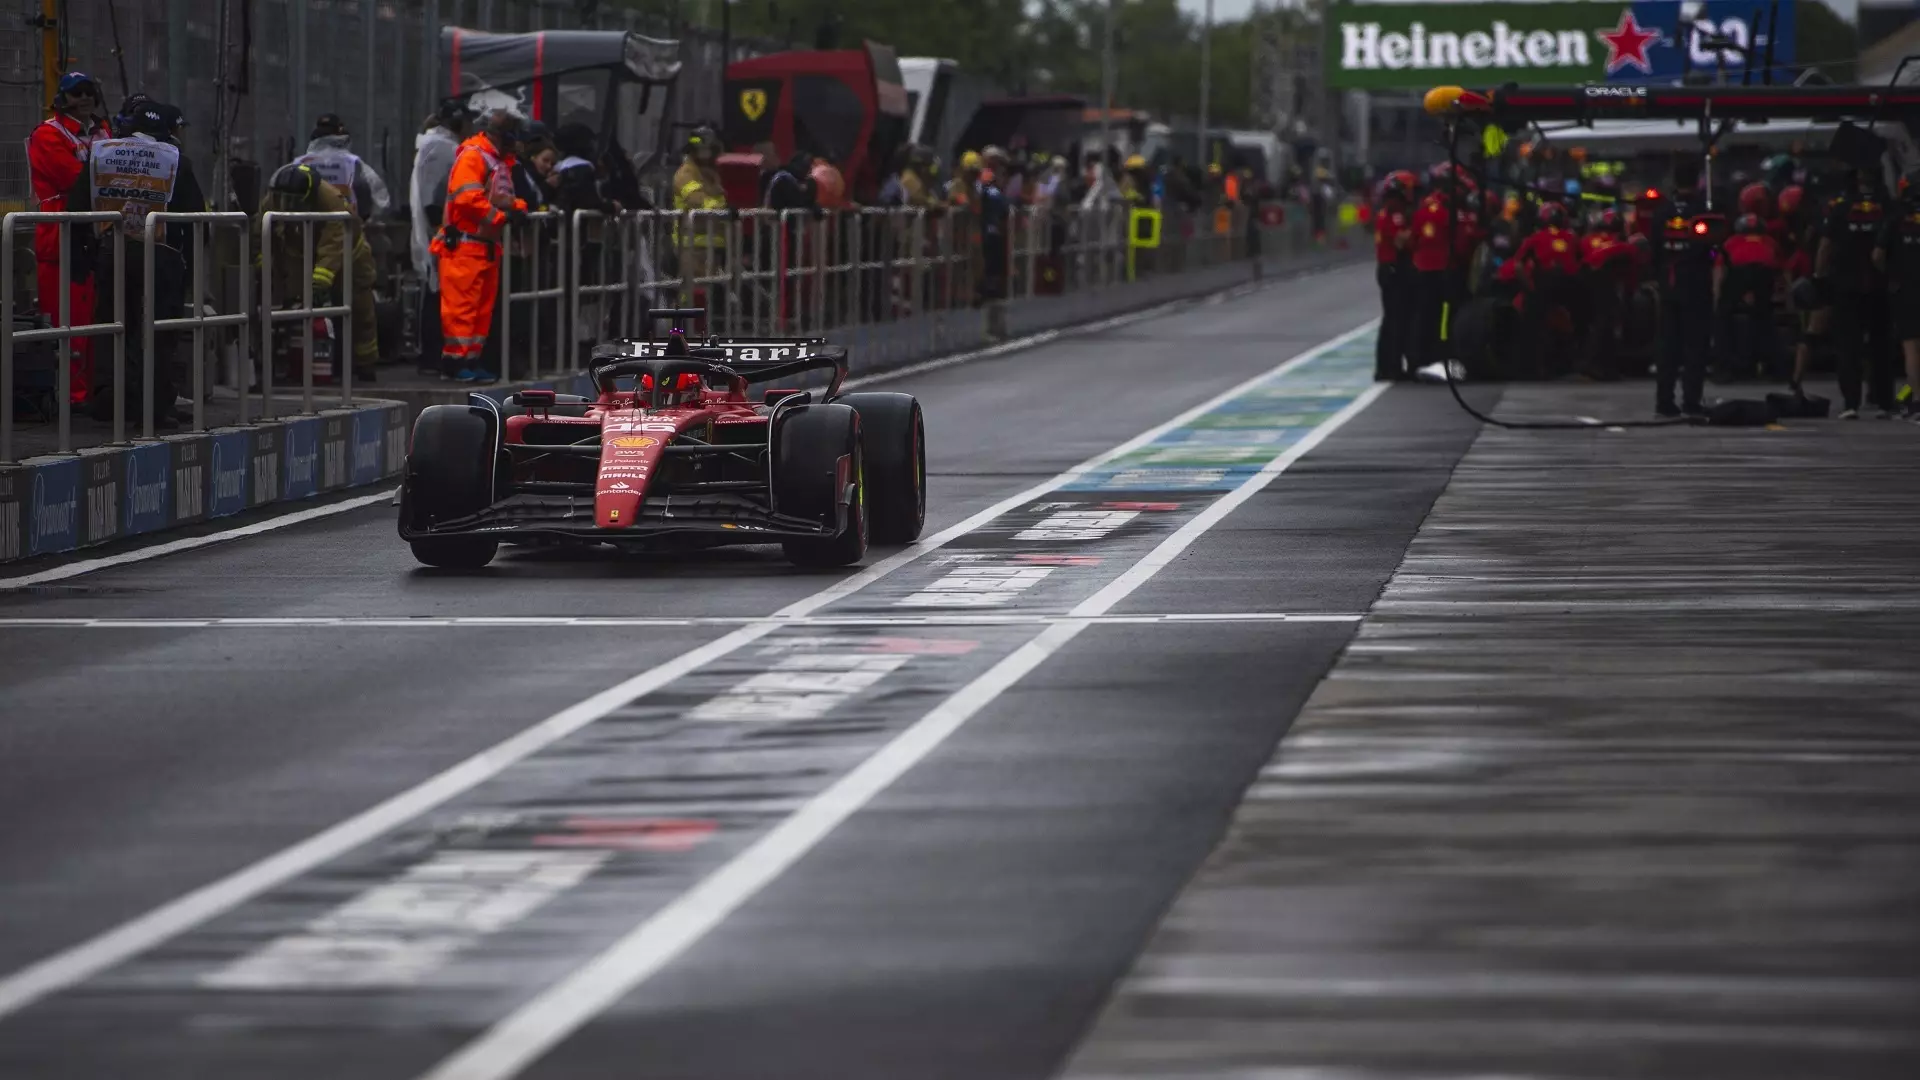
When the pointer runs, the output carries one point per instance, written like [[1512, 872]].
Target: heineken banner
[[1418, 46]]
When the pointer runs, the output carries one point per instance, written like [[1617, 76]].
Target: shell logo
[[635, 442]]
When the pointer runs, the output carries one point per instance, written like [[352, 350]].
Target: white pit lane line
[[521, 1038], [503, 1049]]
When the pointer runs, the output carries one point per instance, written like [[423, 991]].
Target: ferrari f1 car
[[672, 450]]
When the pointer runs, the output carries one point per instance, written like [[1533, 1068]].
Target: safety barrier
[[528, 249], [307, 312], [900, 283], [611, 261], [202, 225], [64, 331]]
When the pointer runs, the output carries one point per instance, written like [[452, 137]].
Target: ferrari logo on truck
[[753, 103]]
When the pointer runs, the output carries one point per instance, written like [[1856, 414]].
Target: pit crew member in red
[[1549, 263], [1393, 270], [1748, 277], [1435, 274], [1611, 268], [57, 154]]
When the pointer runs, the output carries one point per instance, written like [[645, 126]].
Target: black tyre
[[893, 439], [449, 475], [809, 446]]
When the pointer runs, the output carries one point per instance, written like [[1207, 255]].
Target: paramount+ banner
[[1419, 46]]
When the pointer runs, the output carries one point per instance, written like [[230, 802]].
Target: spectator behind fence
[[330, 153], [529, 174], [791, 186], [57, 152], [893, 193], [433, 152], [299, 188], [136, 175], [575, 180]]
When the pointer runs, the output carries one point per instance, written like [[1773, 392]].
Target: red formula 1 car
[[673, 450]]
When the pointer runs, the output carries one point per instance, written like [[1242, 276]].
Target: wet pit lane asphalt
[[1620, 778], [919, 831]]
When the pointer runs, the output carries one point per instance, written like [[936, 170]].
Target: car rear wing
[[738, 361], [1710, 104]]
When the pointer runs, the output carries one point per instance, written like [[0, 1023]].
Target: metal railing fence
[[903, 279]]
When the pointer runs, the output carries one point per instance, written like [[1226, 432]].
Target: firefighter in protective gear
[[480, 203], [960, 188], [331, 154], [300, 188], [914, 178], [57, 157], [702, 242]]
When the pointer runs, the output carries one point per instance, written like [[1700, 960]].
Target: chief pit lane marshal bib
[[134, 177]]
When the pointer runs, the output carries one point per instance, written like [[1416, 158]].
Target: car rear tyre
[[449, 475], [816, 453], [893, 437]]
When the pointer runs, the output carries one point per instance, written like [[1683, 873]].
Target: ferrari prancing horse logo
[[753, 103]]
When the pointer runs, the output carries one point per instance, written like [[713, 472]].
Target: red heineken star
[[1627, 44]]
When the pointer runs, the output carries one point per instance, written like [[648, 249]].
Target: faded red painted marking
[[630, 834]]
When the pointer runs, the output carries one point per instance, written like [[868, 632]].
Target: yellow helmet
[[1136, 162], [970, 160]]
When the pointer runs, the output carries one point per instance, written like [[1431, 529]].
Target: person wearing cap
[[300, 188], [480, 204], [433, 152], [331, 154], [56, 157], [696, 187], [136, 174]]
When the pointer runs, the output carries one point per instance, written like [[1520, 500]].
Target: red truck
[[848, 106]]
